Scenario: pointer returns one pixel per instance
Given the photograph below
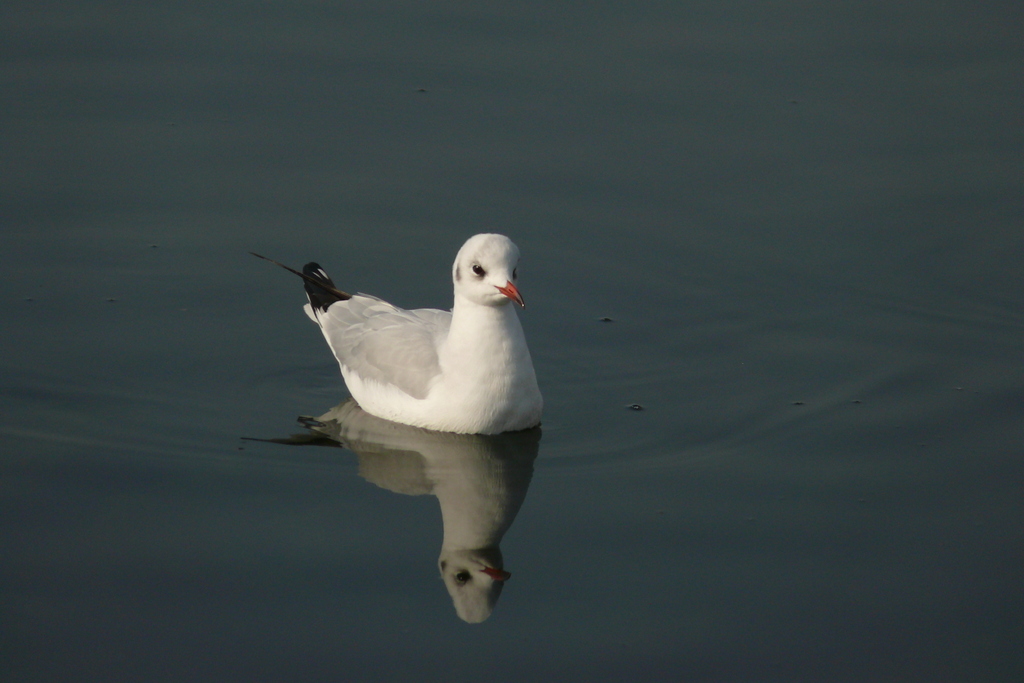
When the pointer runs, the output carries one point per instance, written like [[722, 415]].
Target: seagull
[[466, 371]]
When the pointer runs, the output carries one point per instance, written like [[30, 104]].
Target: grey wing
[[386, 344]]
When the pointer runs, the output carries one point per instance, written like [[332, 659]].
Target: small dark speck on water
[[855, 401], [111, 300], [635, 406], [798, 403], [29, 299], [154, 246], [605, 320], [421, 90]]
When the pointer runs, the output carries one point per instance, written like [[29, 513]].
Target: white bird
[[468, 371]]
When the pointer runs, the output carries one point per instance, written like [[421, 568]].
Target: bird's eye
[[462, 577], [477, 270], [515, 273]]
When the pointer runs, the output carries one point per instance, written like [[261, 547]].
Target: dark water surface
[[805, 221]]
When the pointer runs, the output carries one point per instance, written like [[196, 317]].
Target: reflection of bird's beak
[[496, 574], [511, 292]]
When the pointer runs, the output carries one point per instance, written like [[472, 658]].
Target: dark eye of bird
[[477, 270], [462, 577]]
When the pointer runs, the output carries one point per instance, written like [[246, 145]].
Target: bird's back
[[385, 344]]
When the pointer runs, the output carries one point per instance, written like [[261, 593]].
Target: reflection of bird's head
[[474, 579]]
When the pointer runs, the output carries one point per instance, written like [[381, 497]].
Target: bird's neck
[[474, 516], [490, 333], [479, 495]]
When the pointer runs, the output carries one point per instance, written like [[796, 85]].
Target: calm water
[[804, 221]]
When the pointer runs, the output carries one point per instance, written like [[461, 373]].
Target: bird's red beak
[[511, 292], [496, 574]]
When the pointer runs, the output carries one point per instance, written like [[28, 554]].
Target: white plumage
[[467, 371]]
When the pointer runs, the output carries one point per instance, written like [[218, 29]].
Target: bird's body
[[467, 371]]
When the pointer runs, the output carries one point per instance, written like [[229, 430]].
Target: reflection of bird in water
[[467, 371], [480, 482]]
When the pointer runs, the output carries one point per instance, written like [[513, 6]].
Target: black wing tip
[[315, 270], [319, 287]]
